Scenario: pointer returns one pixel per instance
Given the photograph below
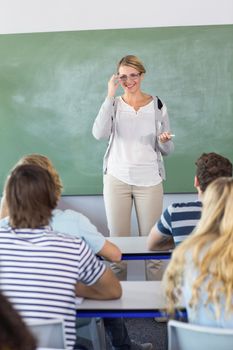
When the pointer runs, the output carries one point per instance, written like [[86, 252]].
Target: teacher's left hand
[[164, 137]]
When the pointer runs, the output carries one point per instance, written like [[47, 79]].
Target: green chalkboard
[[52, 85]]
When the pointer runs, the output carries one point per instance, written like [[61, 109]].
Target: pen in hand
[[165, 136]]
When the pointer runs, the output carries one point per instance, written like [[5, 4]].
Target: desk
[[135, 248], [139, 299]]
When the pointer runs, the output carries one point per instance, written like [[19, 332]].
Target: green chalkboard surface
[[52, 85]]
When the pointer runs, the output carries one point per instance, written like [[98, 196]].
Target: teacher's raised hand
[[113, 84]]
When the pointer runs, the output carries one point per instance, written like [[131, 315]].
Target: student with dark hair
[[69, 222], [42, 271], [14, 334], [179, 219]]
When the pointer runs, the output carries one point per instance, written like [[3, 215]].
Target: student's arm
[[107, 287], [160, 235], [156, 240], [77, 224], [110, 252]]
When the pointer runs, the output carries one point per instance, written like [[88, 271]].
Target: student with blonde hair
[[72, 222], [42, 271], [200, 271], [68, 221]]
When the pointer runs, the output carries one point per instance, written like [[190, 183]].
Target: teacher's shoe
[[136, 346]]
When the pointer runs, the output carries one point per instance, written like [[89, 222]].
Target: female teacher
[[137, 126]]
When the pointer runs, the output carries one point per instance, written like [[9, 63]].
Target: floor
[[142, 330]]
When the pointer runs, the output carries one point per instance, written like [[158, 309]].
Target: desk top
[[137, 295], [135, 246], [139, 299]]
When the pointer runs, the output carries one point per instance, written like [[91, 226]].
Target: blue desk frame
[[166, 255], [181, 314], [135, 248]]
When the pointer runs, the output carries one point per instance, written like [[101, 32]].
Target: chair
[[49, 333], [93, 330], [187, 336]]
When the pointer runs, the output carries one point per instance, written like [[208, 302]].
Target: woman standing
[[200, 271], [137, 126]]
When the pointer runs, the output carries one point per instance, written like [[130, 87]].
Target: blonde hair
[[132, 61], [215, 264], [45, 163]]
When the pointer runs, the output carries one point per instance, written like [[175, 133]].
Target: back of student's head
[[30, 196], [45, 163], [211, 166], [218, 208]]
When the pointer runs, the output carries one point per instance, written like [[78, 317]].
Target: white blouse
[[132, 157]]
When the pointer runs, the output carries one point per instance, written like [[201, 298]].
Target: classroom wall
[[27, 16], [93, 207], [58, 15]]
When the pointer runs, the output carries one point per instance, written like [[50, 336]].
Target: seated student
[[200, 271], [68, 221], [42, 271], [179, 219], [72, 222], [14, 334]]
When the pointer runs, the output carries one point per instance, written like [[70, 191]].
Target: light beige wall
[[20, 16]]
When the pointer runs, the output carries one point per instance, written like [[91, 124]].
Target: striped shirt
[[39, 270], [179, 220]]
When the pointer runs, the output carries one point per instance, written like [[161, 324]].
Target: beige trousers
[[119, 199]]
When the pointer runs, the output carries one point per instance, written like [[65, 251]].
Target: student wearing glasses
[[137, 126]]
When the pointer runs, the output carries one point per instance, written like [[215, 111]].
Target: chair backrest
[[183, 336], [49, 333]]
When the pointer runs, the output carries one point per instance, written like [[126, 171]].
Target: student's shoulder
[[67, 242], [63, 237], [66, 213], [67, 217], [74, 221], [4, 223]]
